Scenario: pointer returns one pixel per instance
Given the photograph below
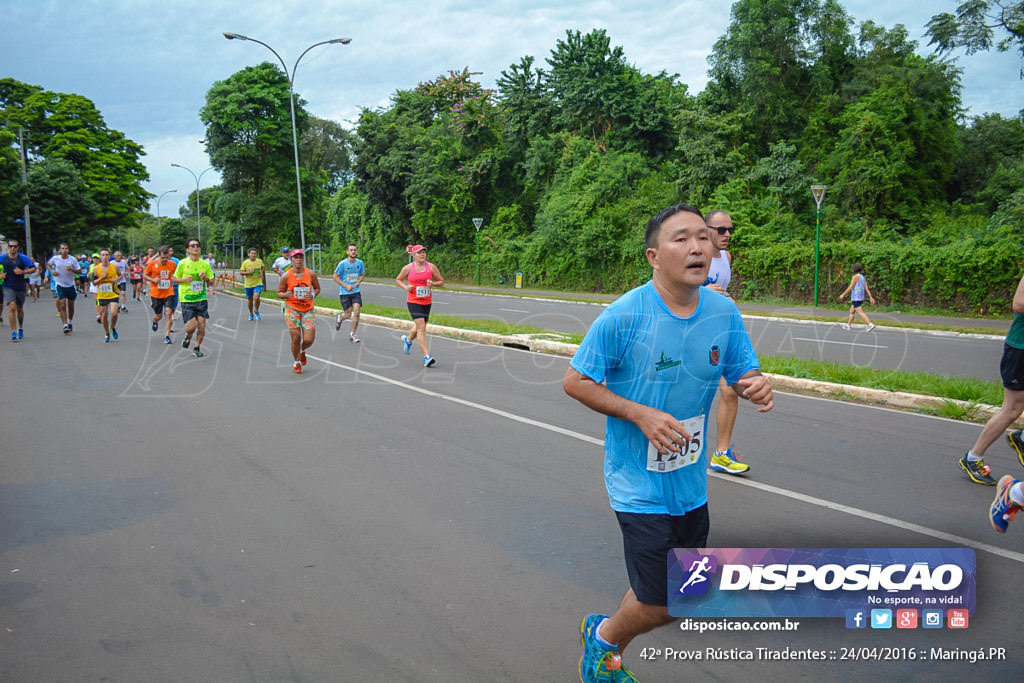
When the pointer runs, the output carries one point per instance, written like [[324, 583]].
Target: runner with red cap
[[418, 279], [297, 288]]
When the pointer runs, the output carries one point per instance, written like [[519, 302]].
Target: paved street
[[164, 518]]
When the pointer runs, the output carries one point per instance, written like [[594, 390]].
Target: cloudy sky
[[148, 64]]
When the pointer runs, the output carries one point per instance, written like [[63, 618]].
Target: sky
[[147, 64]]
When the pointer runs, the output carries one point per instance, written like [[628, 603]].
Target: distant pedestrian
[[857, 290], [418, 279], [1011, 369]]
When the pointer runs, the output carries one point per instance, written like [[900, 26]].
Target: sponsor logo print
[[664, 363]]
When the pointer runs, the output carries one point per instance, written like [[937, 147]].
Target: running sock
[[597, 636], [972, 457], [1017, 494]]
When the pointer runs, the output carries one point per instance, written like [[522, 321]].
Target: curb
[[892, 399]]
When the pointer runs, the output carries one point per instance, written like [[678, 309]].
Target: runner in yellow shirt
[[105, 276], [254, 271], [194, 274]]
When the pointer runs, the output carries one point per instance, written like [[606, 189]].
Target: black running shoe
[[1016, 440], [977, 470]]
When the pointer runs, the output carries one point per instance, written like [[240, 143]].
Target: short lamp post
[[819, 195], [478, 223]]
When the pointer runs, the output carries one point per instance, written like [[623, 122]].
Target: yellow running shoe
[[725, 461]]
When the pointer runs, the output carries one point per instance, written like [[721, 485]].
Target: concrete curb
[[798, 385]]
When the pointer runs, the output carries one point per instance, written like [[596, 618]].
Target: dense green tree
[[69, 127], [249, 140], [61, 205]]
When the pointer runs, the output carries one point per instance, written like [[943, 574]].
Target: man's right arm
[[1018, 297], [660, 428]]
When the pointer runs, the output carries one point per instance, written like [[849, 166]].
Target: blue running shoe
[[106, 339], [428, 361], [113, 334], [154, 325], [167, 340], [21, 333], [406, 344], [251, 317], [257, 314], [14, 337], [1003, 508], [598, 662]]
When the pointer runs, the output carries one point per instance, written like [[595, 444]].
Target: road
[[883, 348], [164, 518]]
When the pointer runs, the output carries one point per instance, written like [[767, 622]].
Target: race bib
[[196, 286], [672, 461], [106, 288], [301, 292], [352, 278], [163, 284], [422, 291]]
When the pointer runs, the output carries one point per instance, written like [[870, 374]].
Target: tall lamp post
[[819, 195], [199, 227], [158, 204], [291, 102]]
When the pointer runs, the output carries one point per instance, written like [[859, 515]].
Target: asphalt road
[[883, 348], [164, 518]]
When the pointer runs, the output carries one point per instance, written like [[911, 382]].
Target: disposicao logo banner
[[817, 582]]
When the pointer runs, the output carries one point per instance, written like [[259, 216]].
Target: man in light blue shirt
[[349, 275], [651, 362]]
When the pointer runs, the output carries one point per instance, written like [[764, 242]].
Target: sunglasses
[[723, 229], [192, 245]]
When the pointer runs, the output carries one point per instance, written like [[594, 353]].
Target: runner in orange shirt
[[297, 288]]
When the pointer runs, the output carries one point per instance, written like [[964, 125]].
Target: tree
[[60, 203], [974, 26], [69, 127], [248, 134]]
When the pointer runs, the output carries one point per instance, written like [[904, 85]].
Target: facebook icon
[[856, 618]]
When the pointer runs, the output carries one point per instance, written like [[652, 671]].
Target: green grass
[[928, 384]]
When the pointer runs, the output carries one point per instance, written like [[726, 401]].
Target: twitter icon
[[881, 618]]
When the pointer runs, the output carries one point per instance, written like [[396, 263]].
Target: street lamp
[[158, 204], [199, 227], [819, 195], [291, 102]]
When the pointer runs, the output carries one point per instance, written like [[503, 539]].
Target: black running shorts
[[646, 540]]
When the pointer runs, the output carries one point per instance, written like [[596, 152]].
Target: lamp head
[[234, 36], [343, 41]]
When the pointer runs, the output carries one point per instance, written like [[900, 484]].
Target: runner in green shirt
[[193, 274]]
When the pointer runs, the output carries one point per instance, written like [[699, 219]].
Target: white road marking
[[829, 341], [513, 310], [767, 488]]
